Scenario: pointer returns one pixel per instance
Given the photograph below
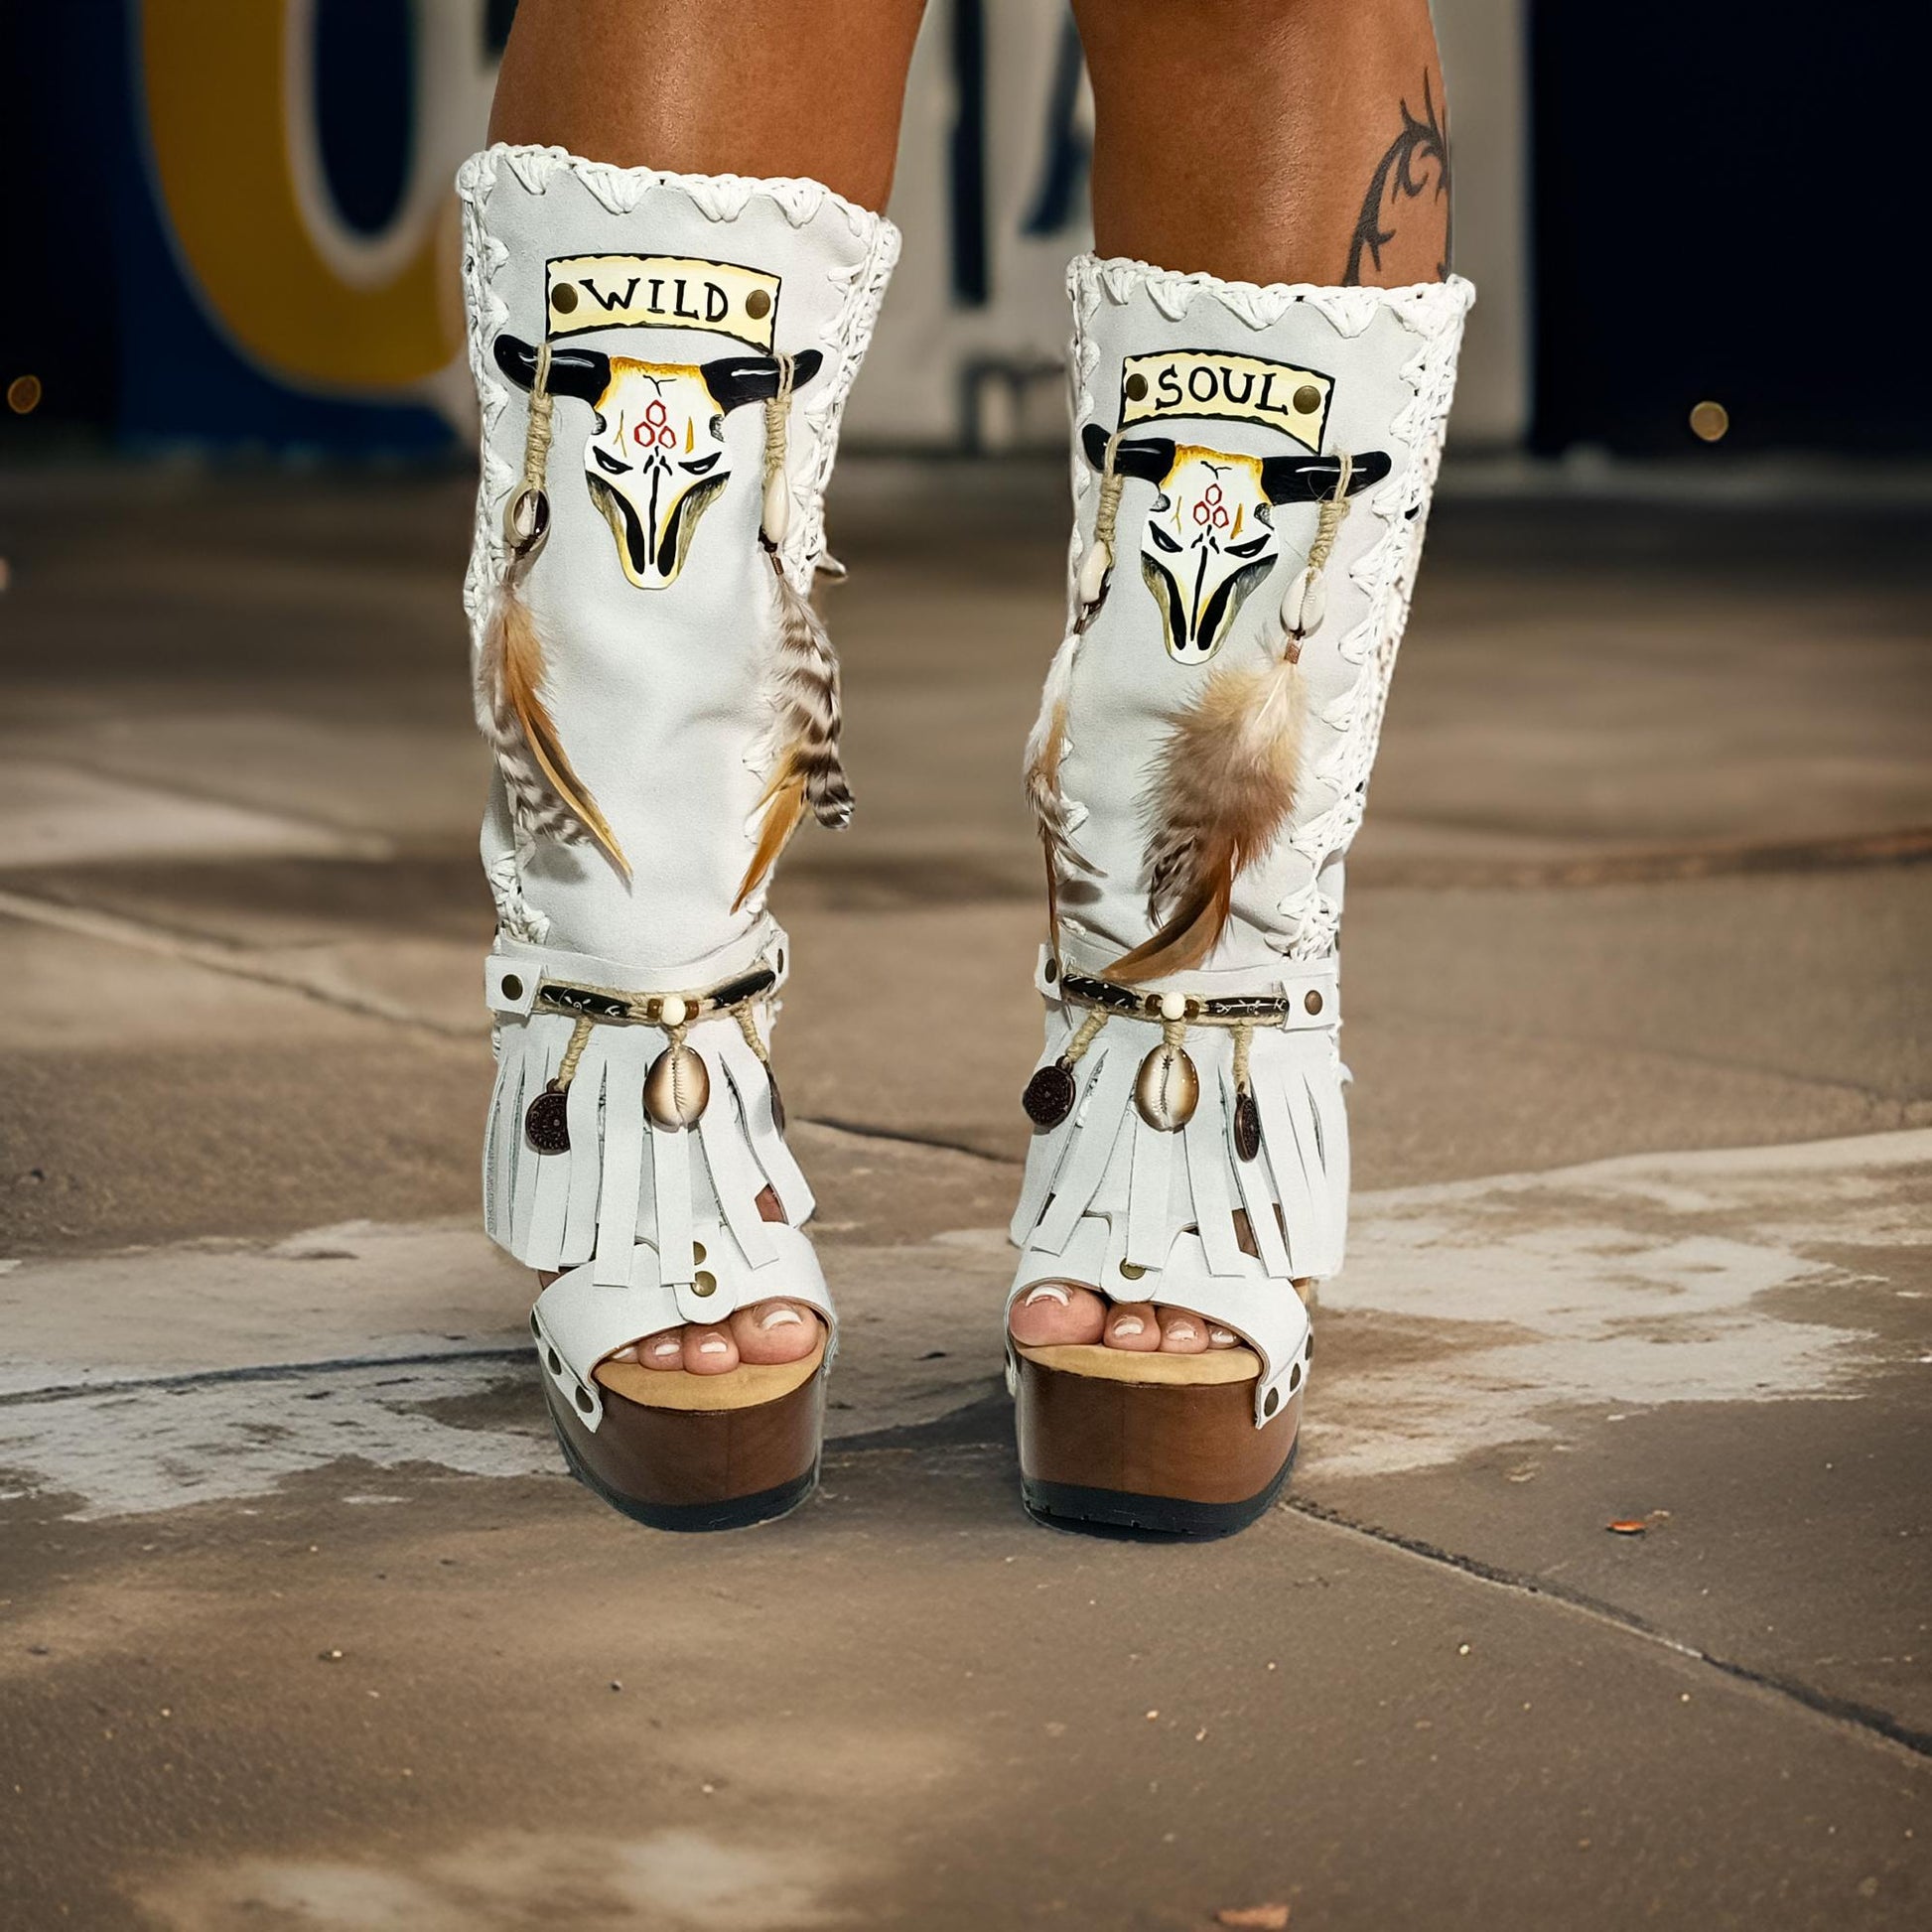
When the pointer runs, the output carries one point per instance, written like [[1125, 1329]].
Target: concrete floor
[[303, 1626]]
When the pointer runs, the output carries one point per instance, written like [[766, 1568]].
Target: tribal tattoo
[[1418, 157]]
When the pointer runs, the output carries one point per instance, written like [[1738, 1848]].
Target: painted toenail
[[782, 1319], [714, 1348], [664, 1348], [1130, 1324], [1049, 1292]]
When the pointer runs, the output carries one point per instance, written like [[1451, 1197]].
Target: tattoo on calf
[[1416, 158]]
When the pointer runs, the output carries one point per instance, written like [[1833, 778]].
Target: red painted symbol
[[656, 430], [1210, 512]]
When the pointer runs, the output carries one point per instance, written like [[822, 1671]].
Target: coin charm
[[677, 1087], [1049, 1097], [1167, 1089], [546, 1121], [1246, 1124]]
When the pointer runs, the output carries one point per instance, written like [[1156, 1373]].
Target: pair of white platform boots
[[662, 362]]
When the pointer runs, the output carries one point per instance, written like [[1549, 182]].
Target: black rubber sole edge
[[1120, 1514], [733, 1513]]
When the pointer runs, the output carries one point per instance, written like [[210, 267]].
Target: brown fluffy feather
[[547, 797], [1223, 789], [810, 777]]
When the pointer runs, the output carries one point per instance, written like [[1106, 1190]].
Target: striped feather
[[809, 777], [1046, 747], [547, 799]]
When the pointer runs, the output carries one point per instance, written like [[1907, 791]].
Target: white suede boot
[[1252, 476], [662, 362]]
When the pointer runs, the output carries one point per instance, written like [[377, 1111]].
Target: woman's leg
[[1300, 142], [763, 87]]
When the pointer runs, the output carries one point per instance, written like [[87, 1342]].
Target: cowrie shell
[[678, 1088]]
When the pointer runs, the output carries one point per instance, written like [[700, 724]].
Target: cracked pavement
[[303, 1626]]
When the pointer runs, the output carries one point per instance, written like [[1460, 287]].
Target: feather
[[809, 777], [1046, 747], [1223, 790], [547, 799]]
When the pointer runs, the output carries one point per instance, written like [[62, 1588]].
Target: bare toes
[[709, 1351], [1052, 1315], [1219, 1337], [775, 1331], [666, 1349], [1183, 1332], [1135, 1325]]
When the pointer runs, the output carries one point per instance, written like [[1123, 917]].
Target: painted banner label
[[662, 292], [1241, 388]]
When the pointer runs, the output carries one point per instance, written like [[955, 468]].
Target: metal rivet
[[704, 1284], [1052, 970], [1131, 1271], [534, 1329], [1294, 1376], [757, 304], [1271, 1401], [1308, 399], [1136, 387], [697, 1251], [584, 1400], [1313, 1002], [512, 987], [24, 394], [564, 300], [555, 1360]]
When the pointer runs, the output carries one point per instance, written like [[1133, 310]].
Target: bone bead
[[1094, 567], [778, 506]]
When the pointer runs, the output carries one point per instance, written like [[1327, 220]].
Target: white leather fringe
[[1144, 1214], [644, 1205]]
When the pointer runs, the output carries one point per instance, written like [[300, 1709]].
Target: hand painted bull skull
[[656, 460], [1209, 537]]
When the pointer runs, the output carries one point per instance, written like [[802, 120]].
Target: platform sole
[[1158, 1459], [739, 1513], [682, 1468]]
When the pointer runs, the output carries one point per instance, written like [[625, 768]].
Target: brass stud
[[555, 1360], [1294, 1376], [1136, 387], [697, 1251], [1308, 399], [1271, 1401], [1710, 421], [1053, 971], [564, 299], [584, 1400], [1131, 1271], [512, 987], [704, 1284], [757, 304], [1313, 1001], [24, 394]]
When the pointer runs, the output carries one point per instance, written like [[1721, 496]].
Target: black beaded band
[[1147, 1005]]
